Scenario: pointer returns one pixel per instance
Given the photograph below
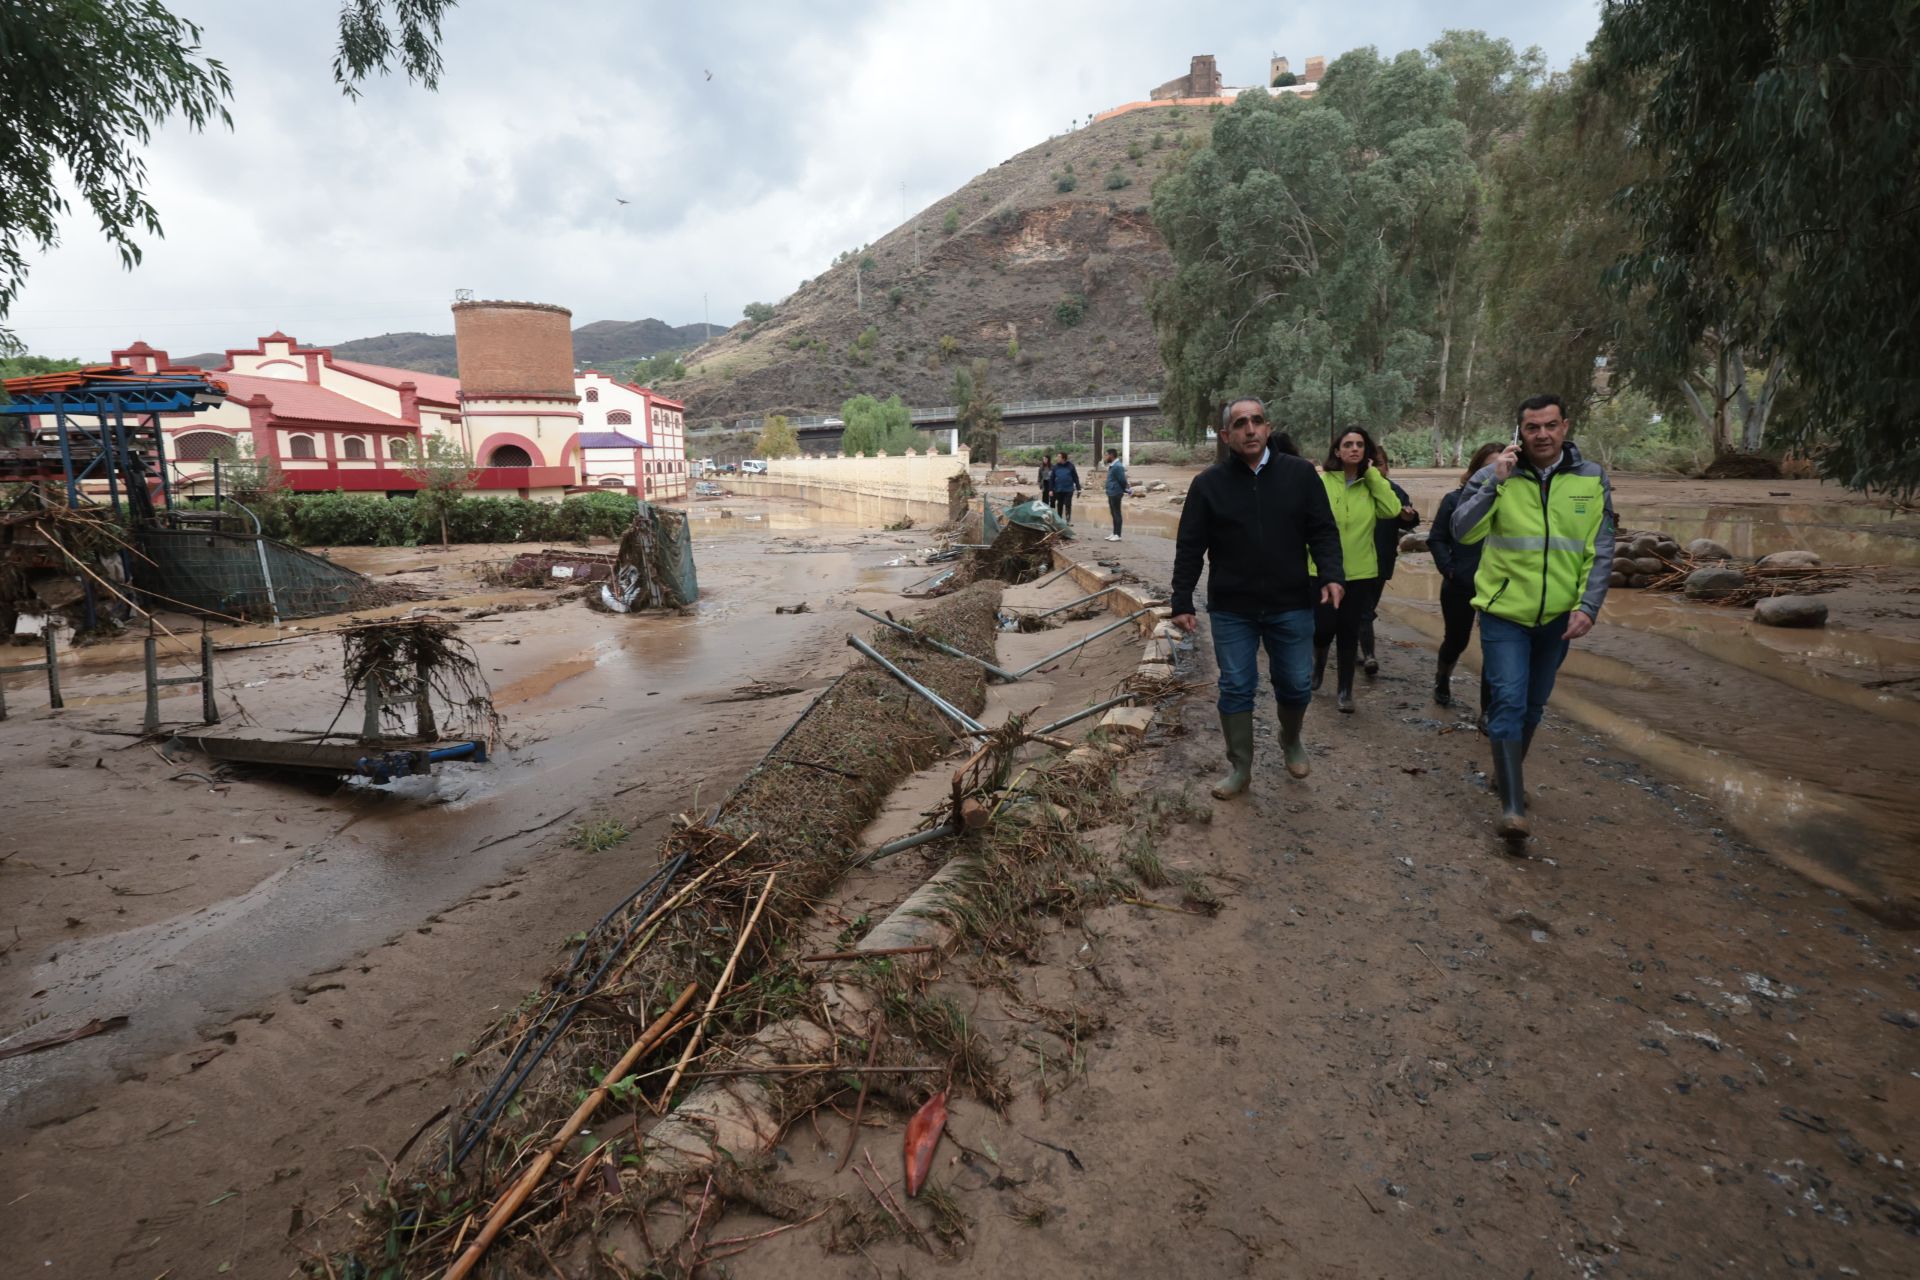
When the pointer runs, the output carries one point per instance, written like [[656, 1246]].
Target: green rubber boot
[[1291, 718], [1508, 775], [1238, 728]]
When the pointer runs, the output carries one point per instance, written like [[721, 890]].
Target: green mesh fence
[[222, 573]]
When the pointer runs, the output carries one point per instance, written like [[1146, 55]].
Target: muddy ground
[[1652, 1049]]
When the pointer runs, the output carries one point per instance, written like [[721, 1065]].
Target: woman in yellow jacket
[[1359, 495]]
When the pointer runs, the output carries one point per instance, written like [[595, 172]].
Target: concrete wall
[[876, 490]]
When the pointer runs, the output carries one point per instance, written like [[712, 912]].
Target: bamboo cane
[[510, 1204]]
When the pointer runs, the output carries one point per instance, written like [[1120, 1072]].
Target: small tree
[[951, 223], [877, 426], [777, 439], [444, 470], [758, 313], [977, 412]]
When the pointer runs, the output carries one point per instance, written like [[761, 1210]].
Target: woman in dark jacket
[[1457, 563], [1386, 549]]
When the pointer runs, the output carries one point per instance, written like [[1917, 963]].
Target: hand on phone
[[1508, 459]]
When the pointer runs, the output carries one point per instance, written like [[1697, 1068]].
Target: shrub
[[1065, 183], [896, 296], [1070, 310], [1159, 140], [1135, 150], [1013, 348], [951, 223], [352, 520], [1117, 180], [758, 313]]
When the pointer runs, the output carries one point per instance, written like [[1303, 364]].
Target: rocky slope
[[1049, 285]]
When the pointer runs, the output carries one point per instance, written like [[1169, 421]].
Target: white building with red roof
[[330, 424]]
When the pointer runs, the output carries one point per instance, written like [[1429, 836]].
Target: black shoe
[[1507, 773], [1369, 663], [1344, 701], [1443, 684]]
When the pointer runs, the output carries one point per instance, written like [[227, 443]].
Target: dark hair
[[1546, 400], [1281, 442], [1333, 449], [1479, 459], [1062, 453], [1112, 452], [1226, 410], [1380, 457]]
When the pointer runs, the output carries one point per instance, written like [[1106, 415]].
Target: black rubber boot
[[1319, 665], [1443, 684], [1291, 719], [1526, 740], [1368, 663], [1508, 775], [1237, 726], [1344, 700]]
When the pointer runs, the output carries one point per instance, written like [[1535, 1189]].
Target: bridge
[[827, 428]]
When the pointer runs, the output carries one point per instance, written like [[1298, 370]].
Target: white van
[[753, 467]]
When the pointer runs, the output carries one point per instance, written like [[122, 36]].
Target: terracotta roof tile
[[304, 402]]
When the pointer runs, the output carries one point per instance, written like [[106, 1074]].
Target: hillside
[[600, 343], [994, 288]]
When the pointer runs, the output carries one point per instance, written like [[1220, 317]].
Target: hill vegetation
[[613, 346], [1041, 267]]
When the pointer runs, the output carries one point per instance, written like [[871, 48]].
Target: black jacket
[[1255, 531], [1387, 534], [1457, 561]]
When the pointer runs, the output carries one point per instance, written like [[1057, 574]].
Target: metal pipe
[[931, 643], [452, 753], [907, 842], [1061, 653], [48, 636], [1072, 604], [260, 545], [968, 724], [1082, 715]]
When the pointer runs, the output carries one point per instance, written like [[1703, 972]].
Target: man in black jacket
[[1253, 518]]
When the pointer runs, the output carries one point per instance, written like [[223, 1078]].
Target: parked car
[[753, 467], [727, 468]]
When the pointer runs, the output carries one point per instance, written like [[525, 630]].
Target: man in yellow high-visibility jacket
[[1545, 518]]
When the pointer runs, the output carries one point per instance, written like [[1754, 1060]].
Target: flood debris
[[923, 1137], [654, 567], [552, 568], [419, 667], [802, 607], [93, 1028]]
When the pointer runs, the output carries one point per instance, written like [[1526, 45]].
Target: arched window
[[619, 418], [509, 455], [353, 447], [611, 482], [200, 446], [300, 447], [397, 448], [593, 395]]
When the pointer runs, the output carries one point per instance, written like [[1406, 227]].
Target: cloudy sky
[[334, 219]]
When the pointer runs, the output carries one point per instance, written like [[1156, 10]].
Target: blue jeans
[[1288, 636], [1519, 664]]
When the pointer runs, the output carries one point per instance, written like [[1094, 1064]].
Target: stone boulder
[[1790, 560], [1790, 611], [1714, 583], [1708, 549], [1415, 541]]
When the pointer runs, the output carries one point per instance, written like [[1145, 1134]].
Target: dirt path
[[1649, 1050]]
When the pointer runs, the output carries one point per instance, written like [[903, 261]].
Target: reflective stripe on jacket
[[1547, 544], [1355, 509]]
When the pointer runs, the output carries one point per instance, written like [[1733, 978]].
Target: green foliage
[[896, 296], [1158, 141], [977, 412], [352, 520], [359, 519], [1013, 348], [1065, 182], [1779, 218], [758, 313], [1317, 244], [1116, 180], [598, 837], [877, 426], [950, 223], [1285, 79], [777, 439], [1070, 310], [23, 365], [652, 371], [1135, 150], [444, 470]]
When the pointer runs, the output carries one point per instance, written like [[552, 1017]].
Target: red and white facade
[[338, 424]]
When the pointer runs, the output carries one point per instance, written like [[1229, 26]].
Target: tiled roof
[[610, 440], [432, 386], [304, 402]]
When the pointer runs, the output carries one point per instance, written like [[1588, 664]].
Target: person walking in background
[[1066, 483], [1456, 562], [1116, 490], [1253, 518], [1386, 550], [1359, 497], [1046, 479], [1545, 517]]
